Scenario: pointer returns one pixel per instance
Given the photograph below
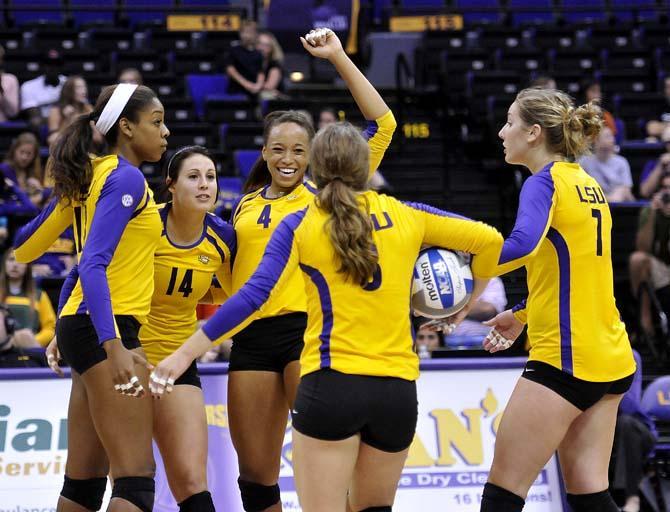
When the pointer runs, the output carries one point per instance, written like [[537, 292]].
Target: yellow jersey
[[562, 235], [116, 232], [182, 276], [364, 330], [256, 217]]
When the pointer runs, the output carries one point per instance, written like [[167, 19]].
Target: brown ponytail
[[339, 165], [569, 131]]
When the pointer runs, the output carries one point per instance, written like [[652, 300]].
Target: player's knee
[[138, 490], [257, 497], [594, 502], [86, 492], [497, 499], [200, 502]]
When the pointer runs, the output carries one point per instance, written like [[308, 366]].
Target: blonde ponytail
[[339, 165]]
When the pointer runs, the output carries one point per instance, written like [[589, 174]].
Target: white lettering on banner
[[447, 466]]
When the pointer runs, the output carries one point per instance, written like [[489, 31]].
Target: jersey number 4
[[186, 286], [264, 217]]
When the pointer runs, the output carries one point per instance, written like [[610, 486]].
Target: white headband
[[114, 107]]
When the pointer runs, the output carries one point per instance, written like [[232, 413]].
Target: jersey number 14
[[186, 286]]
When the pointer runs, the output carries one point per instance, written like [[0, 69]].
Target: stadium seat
[[521, 60], [573, 59], [140, 15], [85, 61], [25, 64], [531, 11], [623, 81], [178, 110], [656, 399], [230, 190], [238, 136], [481, 84], [662, 59], [186, 134], [490, 11], [232, 108], [244, 160], [105, 39], [201, 86], [550, 37], [105, 16], [611, 37], [656, 36], [626, 59], [147, 61], [9, 131], [194, 61], [625, 10], [581, 11], [52, 11]]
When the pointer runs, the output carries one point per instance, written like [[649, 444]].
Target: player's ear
[[534, 133], [264, 153]]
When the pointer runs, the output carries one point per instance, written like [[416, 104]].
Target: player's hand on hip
[[122, 364], [322, 43], [505, 329], [166, 372], [53, 356]]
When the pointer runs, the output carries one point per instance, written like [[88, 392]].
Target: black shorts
[[78, 342], [269, 344], [333, 406], [580, 393], [190, 376]]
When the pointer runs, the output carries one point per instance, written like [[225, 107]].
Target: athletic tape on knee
[[138, 490], [595, 502], [201, 502], [257, 497], [85, 492]]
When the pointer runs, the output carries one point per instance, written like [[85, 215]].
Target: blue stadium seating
[[157, 14], [244, 161], [531, 11], [52, 13], [201, 86], [83, 17], [577, 11], [489, 13]]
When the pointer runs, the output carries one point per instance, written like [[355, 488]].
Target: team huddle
[[314, 276]]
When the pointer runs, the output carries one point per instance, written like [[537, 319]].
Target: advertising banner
[[459, 412]]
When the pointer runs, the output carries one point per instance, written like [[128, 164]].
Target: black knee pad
[[87, 492], [594, 502], [201, 502], [257, 497], [138, 490], [377, 509], [497, 499]]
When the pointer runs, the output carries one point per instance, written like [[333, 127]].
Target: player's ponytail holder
[[117, 102]]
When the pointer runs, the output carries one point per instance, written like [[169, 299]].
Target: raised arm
[[325, 44]]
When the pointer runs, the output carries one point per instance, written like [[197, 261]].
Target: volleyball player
[[117, 229], [355, 412], [264, 363], [580, 362], [195, 246]]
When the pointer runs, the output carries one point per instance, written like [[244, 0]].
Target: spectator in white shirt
[[9, 92], [39, 94]]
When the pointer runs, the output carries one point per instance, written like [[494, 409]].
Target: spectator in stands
[[273, 61], [31, 308], [634, 439], [244, 63], [592, 91], [491, 302], [73, 102], [656, 127], [39, 94], [427, 339], [543, 82], [58, 259], [23, 166], [130, 76], [9, 92], [10, 355], [327, 115], [654, 170], [611, 171], [650, 263]]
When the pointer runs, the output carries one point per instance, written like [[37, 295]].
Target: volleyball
[[442, 283]]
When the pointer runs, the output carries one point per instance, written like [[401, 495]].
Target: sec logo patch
[[127, 200]]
